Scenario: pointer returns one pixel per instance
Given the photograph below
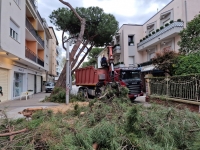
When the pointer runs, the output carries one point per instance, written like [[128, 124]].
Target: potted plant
[[149, 34], [153, 32], [157, 30], [179, 20], [171, 21], [166, 24], [131, 43], [141, 40], [161, 27], [144, 38]]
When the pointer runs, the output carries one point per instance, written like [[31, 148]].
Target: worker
[[104, 61]]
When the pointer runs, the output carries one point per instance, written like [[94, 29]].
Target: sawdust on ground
[[64, 107]]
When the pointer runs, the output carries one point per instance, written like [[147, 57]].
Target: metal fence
[[179, 87]]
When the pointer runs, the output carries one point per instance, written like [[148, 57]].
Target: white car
[[49, 86]]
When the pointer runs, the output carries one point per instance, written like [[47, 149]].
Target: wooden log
[[14, 132]]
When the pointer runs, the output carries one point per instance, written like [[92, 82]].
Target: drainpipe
[[186, 19]]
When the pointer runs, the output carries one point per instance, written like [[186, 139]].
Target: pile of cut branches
[[117, 124]]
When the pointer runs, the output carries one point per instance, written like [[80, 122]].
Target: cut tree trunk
[[62, 79]]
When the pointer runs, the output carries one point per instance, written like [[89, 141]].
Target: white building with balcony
[[23, 48], [139, 43]]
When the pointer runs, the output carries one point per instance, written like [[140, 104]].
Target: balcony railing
[[40, 61], [33, 3], [34, 32], [167, 28], [40, 18], [30, 55]]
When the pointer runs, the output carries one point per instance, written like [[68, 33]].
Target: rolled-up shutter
[[31, 82], [4, 84], [38, 84]]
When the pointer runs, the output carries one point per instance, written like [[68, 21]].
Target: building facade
[[58, 61], [24, 56], [137, 44], [53, 52]]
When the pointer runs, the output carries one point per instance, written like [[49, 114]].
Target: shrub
[[161, 27], [166, 24], [157, 30], [179, 20], [171, 21], [141, 40], [144, 38], [153, 32], [149, 34]]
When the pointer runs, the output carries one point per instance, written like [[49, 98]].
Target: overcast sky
[[125, 11]]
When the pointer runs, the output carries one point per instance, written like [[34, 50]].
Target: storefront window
[[18, 84]]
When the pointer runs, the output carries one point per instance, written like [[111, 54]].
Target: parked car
[[49, 86]]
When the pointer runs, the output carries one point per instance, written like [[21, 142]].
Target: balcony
[[169, 31], [116, 50], [33, 3], [40, 61], [34, 32], [30, 55]]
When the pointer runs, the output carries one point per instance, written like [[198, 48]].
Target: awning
[[147, 68]]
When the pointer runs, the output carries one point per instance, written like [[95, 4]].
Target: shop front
[[26, 79]]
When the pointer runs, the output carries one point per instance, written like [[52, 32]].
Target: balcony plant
[[157, 30], [171, 21], [166, 24], [161, 27], [141, 40], [179, 20], [149, 34], [131, 43], [153, 32], [144, 38]]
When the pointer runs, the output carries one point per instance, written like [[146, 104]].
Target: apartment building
[[24, 56], [58, 60], [53, 53], [137, 44]]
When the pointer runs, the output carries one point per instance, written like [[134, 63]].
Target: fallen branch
[[193, 130], [103, 95], [12, 133]]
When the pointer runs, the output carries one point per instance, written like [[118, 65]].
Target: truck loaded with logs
[[93, 81]]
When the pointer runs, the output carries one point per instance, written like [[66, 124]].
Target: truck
[[92, 81]]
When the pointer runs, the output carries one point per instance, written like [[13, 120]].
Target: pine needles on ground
[[114, 125]]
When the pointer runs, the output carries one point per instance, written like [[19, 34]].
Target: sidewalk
[[12, 107]]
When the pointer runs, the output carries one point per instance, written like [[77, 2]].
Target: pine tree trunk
[[62, 79]]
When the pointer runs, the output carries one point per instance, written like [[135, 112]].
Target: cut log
[[14, 132]]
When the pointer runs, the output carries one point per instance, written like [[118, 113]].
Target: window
[[166, 17], [130, 40], [14, 31], [17, 2], [151, 55], [150, 32], [167, 21]]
